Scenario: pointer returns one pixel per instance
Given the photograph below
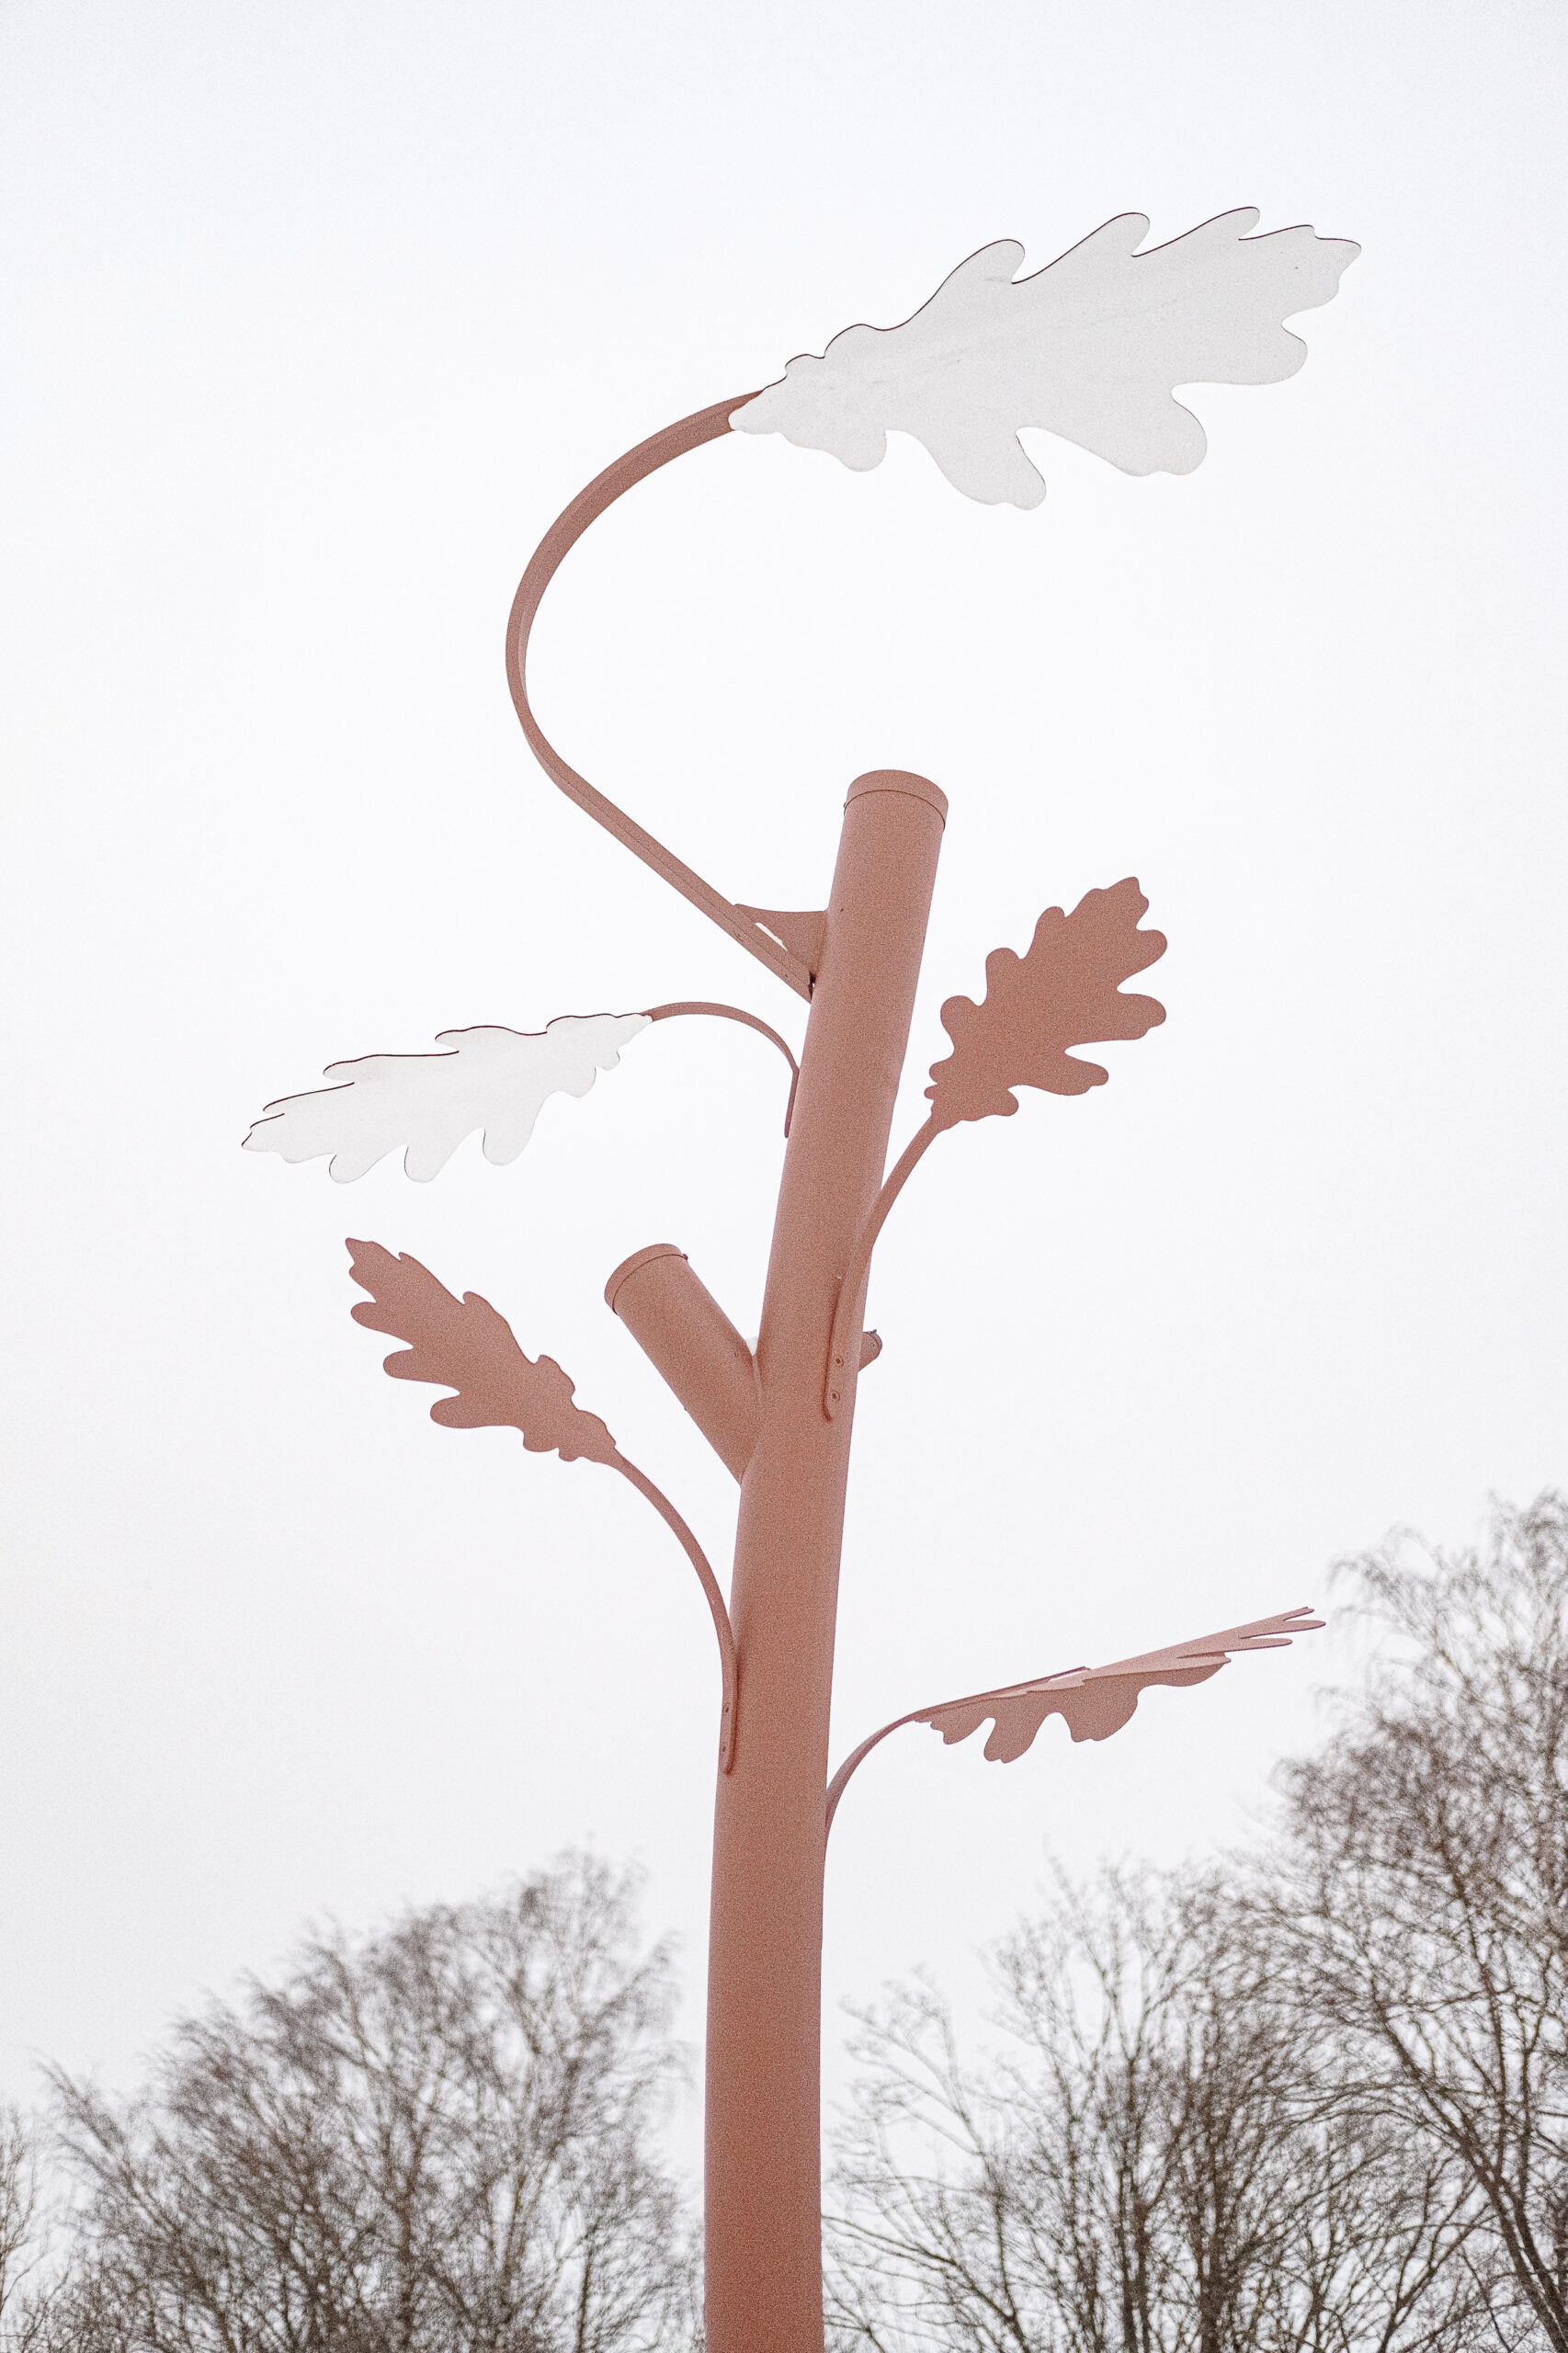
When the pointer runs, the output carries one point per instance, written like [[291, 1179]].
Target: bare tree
[[438, 2139], [1424, 1908], [18, 2202], [26, 2278], [1151, 2165]]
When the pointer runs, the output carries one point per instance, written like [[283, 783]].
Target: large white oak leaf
[[1090, 347], [489, 1078]]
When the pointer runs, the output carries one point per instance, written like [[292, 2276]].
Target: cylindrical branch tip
[[689, 1340]]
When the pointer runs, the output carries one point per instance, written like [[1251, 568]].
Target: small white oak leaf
[[1090, 347], [489, 1078]]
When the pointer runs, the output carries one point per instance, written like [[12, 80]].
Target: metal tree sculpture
[[1089, 348]]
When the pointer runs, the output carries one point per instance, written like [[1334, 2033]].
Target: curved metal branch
[[1095, 1701], [465, 1346], [840, 1780], [733, 1013], [854, 1283], [689, 433], [710, 1583]]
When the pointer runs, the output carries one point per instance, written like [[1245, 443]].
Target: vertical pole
[[764, 2154]]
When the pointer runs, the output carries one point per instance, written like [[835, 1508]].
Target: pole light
[[1090, 348]]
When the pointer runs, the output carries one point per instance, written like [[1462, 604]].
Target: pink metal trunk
[[763, 2162], [782, 1422]]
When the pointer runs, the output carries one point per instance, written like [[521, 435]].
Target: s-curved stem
[[689, 433], [855, 1274], [733, 1013], [710, 1583], [840, 1780]]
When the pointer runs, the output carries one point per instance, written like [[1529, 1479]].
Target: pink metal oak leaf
[[1064, 991], [464, 1345], [1094, 1702]]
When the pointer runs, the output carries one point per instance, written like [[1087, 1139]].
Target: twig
[[854, 1280], [710, 1583], [733, 1013]]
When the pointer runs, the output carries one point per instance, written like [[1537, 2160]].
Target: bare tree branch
[[440, 2139]]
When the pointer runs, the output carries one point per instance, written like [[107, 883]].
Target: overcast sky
[[316, 316]]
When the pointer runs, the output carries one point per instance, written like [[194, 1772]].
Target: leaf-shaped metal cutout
[[464, 1345], [491, 1078], [1064, 993], [1094, 1702], [1090, 347]]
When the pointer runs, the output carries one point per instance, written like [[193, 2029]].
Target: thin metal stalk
[[851, 1304]]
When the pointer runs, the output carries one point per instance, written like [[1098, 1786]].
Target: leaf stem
[[710, 1583], [839, 1782], [854, 1279], [687, 433], [733, 1013]]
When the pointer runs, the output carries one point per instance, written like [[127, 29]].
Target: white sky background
[[317, 316]]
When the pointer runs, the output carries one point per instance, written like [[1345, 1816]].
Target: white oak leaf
[[489, 1078], [1090, 347]]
